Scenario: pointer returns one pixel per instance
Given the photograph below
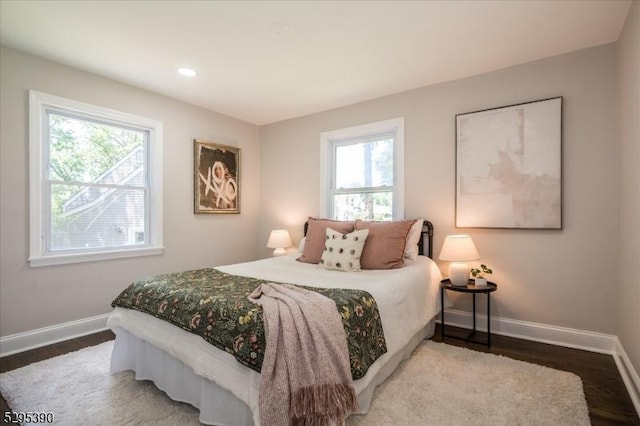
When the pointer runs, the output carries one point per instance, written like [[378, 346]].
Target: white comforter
[[407, 300]]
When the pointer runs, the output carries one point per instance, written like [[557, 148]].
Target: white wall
[[628, 292], [562, 277], [32, 298]]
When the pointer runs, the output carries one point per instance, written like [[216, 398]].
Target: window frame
[[330, 139], [39, 190]]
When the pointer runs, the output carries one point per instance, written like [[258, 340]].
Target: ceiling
[[267, 61]]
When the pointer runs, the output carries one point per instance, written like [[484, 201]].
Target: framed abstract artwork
[[509, 166], [216, 178]]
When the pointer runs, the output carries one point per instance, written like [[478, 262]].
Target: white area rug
[[439, 385]]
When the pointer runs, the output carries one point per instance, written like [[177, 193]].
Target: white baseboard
[[629, 374], [553, 335], [21, 342], [559, 336]]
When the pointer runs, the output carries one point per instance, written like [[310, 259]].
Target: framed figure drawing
[[509, 166], [217, 178]]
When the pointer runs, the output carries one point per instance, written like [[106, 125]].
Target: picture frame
[[509, 166], [216, 178]]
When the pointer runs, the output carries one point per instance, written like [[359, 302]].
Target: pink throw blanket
[[305, 376]]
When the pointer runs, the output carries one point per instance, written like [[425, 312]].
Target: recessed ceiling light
[[187, 72]]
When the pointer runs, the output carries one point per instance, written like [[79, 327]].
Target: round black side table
[[473, 289]]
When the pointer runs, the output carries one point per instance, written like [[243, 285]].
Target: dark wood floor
[[607, 398]]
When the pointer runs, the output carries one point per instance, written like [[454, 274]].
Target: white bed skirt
[[217, 405]]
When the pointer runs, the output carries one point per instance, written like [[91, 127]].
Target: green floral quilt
[[214, 305]]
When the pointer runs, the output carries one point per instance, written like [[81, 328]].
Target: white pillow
[[413, 238], [342, 252], [301, 245]]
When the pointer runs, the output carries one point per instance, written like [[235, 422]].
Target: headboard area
[[425, 245], [427, 237]]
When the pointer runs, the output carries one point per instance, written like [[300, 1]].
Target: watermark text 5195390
[[27, 417]]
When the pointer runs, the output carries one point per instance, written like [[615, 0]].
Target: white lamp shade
[[279, 240], [458, 249]]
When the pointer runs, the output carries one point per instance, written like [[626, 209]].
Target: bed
[[191, 370]]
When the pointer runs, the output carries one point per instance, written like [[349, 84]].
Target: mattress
[[407, 300]]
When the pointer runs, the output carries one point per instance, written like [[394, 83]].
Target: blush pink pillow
[[317, 235], [385, 244]]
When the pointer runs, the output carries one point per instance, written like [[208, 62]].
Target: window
[[362, 172], [95, 182]]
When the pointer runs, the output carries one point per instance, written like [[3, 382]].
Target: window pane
[[368, 164], [96, 217], [86, 151], [366, 206]]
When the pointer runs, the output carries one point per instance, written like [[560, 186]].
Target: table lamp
[[279, 240], [458, 249]]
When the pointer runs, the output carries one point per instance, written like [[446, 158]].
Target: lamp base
[[459, 274], [279, 252]]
